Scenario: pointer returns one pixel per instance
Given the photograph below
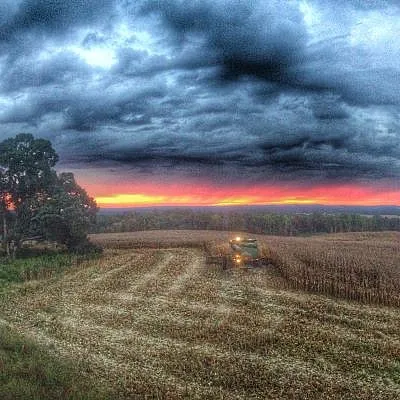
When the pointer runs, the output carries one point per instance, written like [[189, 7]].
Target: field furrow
[[160, 322]]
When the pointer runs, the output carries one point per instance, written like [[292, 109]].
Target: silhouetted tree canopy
[[250, 221], [35, 202]]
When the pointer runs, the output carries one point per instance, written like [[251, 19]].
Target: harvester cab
[[245, 252]]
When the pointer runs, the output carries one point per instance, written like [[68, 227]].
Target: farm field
[[154, 320]]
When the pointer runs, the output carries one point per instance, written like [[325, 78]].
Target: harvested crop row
[[160, 323]]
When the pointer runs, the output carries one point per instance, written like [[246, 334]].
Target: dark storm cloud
[[332, 156], [337, 154], [245, 38], [26, 26], [84, 108], [328, 108], [125, 106], [224, 89], [27, 73], [50, 16], [266, 41]]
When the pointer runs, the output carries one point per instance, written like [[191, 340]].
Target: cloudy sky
[[211, 101]]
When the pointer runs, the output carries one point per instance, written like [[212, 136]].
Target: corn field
[[353, 267], [362, 267], [153, 320]]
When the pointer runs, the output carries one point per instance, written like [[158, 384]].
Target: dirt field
[[159, 323]]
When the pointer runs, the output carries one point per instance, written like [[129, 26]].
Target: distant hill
[[277, 209]]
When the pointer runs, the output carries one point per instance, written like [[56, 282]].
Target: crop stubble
[[158, 322]]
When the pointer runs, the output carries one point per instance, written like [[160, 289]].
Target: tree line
[[252, 222], [36, 203]]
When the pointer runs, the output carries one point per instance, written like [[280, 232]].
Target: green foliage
[[45, 206], [254, 222], [27, 166], [67, 214], [29, 373], [39, 267]]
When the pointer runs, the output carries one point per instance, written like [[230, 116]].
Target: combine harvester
[[244, 254]]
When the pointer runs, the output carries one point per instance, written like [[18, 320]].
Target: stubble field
[[154, 321]]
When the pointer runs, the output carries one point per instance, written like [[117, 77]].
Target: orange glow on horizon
[[145, 195]]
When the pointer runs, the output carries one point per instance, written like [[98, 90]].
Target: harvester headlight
[[238, 238]]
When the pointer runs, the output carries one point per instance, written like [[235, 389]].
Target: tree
[[38, 203], [27, 165], [4, 205], [67, 214]]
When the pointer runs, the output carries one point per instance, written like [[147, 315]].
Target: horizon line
[[308, 205]]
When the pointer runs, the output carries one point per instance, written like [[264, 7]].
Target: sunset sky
[[170, 102]]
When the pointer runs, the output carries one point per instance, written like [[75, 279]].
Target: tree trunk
[[14, 248], [5, 231]]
